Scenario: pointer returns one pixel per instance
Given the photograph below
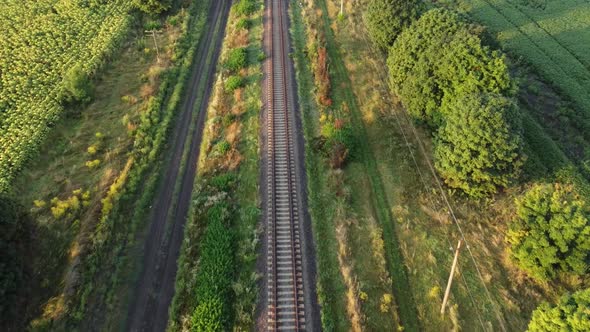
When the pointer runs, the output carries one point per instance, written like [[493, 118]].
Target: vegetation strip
[[216, 280], [329, 279], [401, 287], [131, 198]]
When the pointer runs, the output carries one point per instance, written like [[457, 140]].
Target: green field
[[43, 41], [552, 35]]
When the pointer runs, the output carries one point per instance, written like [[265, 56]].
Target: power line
[[451, 211]]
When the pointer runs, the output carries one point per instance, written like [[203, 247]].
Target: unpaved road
[[155, 285]]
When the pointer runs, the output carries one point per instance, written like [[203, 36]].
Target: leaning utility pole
[[153, 32], [448, 291]]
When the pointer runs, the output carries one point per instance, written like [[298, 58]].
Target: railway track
[[286, 308]]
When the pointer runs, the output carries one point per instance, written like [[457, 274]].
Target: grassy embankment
[[423, 226], [87, 189], [422, 223], [221, 237], [348, 206]]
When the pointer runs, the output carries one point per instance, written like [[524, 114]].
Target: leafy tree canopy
[[551, 232], [152, 7], [78, 86], [478, 148], [572, 313], [385, 19], [438, 55]]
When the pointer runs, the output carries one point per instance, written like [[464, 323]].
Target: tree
[[441, 55], [551, 233], [572, 313], [14, 239], [385, 19], [78, 86], [478, 149], [152, 7]]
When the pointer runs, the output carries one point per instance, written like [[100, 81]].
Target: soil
[[155, 284]]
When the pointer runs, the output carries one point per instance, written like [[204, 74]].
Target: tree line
[[461, 90]]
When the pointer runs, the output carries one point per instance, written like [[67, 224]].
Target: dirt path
[[155, 285]]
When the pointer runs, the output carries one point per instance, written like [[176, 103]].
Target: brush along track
[[155, 285], [286, 309]]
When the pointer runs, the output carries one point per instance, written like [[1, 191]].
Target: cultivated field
[[552, 35], [42, 44]]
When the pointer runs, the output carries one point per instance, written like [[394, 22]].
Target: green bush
[[208, 316], [243, 23], [152, 7], [572, 313], [223, 147], [77, 86], [236, 59], [223, 181], [551, 233], [233, 82], [385, 19], [245, 7], [478, 149], [440, 55], [215, 272]]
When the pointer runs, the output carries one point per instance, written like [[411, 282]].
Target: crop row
[[41, 42]]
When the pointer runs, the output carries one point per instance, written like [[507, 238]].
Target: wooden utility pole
[[448, 291], [341, 7], [153, 32]]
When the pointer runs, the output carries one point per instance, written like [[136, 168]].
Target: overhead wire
[[444, 196]]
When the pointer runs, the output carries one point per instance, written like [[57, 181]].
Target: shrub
[[223, 181], [63, 208], [243, 23], [478, 149], [92, 164], [572, 313], [223, 147], [39, 203], [215, 273], [208, 316], [92, 149], [236, 59], [233, 82], [152, 7], [551, 232], [245, 7], [385, 19], [440, 55], [77, 86]]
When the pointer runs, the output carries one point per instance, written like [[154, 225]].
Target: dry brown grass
[[240, 39], [146, 91], [232, 133]]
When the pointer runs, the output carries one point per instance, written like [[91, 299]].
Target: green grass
[[241, 193], [378, 195], [422, 225], [553, 39], [60, 168], [120, 195], [330, 285]]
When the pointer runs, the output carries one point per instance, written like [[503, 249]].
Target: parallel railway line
[[286, 308]]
